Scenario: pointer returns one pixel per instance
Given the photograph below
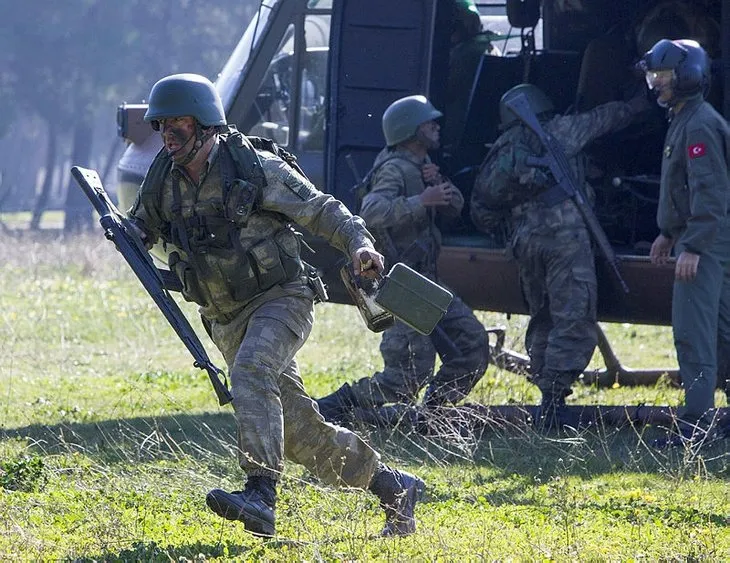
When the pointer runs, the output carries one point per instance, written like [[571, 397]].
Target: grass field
[[109, 440]]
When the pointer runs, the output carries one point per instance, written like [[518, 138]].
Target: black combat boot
[[254, 506], [337, 407], [398, 492], [552, 413]]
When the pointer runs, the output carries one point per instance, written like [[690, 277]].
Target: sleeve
[[294, 196], [143, 219], [708, 183], [385, 206], [575, 131]]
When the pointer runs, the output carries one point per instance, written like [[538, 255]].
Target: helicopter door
[[379, 51]]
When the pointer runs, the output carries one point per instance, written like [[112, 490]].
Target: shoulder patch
[[697, 150], [299, 187]]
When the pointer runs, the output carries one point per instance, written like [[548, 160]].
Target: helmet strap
[[200, 138]]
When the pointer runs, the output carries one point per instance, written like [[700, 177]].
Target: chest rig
[[214, 262]]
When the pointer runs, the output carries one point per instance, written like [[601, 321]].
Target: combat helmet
[[688, 61], [402, 118], [466, 19], [539, 103], [185, 94]]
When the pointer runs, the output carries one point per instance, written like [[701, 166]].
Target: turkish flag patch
[[696, 151]]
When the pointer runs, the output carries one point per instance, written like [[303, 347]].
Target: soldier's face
[[177, 135], [429, 134]]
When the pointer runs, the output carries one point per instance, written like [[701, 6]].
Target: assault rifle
[[120, 231], [557, 163]]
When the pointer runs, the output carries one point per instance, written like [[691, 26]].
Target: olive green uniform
[[695, 186], [238, 258]]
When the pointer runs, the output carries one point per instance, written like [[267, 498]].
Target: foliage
[[26, 473], [96, 388], [72, 63]]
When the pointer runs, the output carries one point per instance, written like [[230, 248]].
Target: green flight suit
[[693, 202]]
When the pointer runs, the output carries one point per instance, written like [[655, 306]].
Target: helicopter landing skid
[[613, 375]]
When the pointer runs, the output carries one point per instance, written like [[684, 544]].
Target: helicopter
[[316, 76]]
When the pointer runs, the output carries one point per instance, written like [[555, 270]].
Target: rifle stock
[[120, 231], [556, 162]]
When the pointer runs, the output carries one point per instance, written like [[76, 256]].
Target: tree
[[87, 56]]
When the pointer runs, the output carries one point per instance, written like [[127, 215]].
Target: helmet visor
[[658, 79]]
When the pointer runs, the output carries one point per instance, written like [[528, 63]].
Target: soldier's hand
[[660, 250], [686, 268], [141, 234], [430, 173], [367, 262], [438, 196]]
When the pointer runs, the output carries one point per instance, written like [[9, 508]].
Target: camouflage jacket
[[392, 208], [498, 187], [229, 262], [695, 181]]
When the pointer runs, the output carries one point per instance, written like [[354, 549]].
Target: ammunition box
[[413, 298]]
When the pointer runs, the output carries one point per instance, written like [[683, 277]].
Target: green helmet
[[539, 102], [402, 118], [466, 19], [186, 94]]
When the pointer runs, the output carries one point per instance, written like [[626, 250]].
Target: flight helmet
[[688, 61]]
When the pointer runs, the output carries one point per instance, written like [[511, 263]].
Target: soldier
[[693, 220], [237, 257], [469, 42], [550, 240], [407, 192]]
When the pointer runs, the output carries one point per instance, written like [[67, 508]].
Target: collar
[[690, 104]]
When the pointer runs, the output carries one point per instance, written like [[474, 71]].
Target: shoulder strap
[[151, 189], [247, 163], [362, 188]]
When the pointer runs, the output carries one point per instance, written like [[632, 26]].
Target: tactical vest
[[214, 232]]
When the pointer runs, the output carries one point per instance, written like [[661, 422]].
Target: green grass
[[109, 440]]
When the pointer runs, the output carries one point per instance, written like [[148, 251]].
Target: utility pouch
[[267, 263], [316, 284], [191, 289], [239, 202]]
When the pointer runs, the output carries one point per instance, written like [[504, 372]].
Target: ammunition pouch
[[276, 260], [191, 289], [245, 273]]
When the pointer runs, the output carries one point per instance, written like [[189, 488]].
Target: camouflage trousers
[[558, 278], [409, 359], [274, 414]]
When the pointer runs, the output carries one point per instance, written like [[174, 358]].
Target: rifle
[[120, 231], [557, 163]]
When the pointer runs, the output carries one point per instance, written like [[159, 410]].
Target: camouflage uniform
[[405, 232], [692, 211], [260, 331], [551, 244]]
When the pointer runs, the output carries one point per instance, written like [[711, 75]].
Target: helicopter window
[[273, 98], [313, 105]]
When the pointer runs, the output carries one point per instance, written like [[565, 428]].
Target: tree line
[[66, 66]]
